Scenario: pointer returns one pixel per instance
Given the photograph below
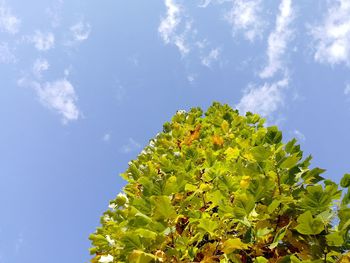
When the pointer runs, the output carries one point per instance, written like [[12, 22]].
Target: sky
[[85, 85]]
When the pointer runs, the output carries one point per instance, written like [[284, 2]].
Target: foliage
[[224, 188]]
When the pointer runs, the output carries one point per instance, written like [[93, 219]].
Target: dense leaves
[[224, 188]]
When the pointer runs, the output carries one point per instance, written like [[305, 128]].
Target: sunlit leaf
[[307, 225]]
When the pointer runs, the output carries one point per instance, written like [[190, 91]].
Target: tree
[[224, 188]]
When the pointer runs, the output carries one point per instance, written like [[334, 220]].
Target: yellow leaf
[[232, 244], [225, 126], [205, 187], [138, 256], [243, 142], [345, 258], [249, 156], [232, 153], [245, 181], [217, 140], [194, 135]]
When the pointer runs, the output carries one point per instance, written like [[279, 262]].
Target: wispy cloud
[[106, 137], [347, 89], [19, 243], [333, 36], [299, 135], [169, 24], [119, 93], [204, 3], [211, 57], [6, 54], [191, 77], [8, 22], [54, 13], [131, 146], [42, 41], [80, 31], [278, 39], [265, 99], [40, 65], [58, 95], [244, 16], [169, 27]]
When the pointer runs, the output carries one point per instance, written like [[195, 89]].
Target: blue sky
[[84, 85]]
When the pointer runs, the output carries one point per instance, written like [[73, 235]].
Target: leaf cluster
[[221, 187]]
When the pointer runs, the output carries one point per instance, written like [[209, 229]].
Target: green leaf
[[190, 188], [162, 207], [309, 225], [315, 199], [261, 232], [294, 259], [313, 176], [145, 233], [290, 145], [208, 225], [243, 205], [232, 244], [346, 198], [344, 216], [275, 203], [131, 242], [232, 153], [260, 187], [171, 186], [98, 240], [345, 181], [290, 161], [260, 153], [278, 237], [273, 135], [138, 256], [260, 259], [335, 239]]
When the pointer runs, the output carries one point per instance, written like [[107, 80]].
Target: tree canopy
[[221, 187]]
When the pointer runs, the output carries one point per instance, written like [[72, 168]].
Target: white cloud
[[299, 135], [278, 39], [333, 36], [54, 13], [80, 31], [8, 22], [191, 78], [60, 96], [180, 43], [119, 93], [245, 16], [6, 54], [67, 71], [134, 60], [57, 95], [42, 41], [347, 89], [169, 27], [131, 146], [19, 243], [40, 65], [204, 3], [106, 137], [211, 57], [265, 99]]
